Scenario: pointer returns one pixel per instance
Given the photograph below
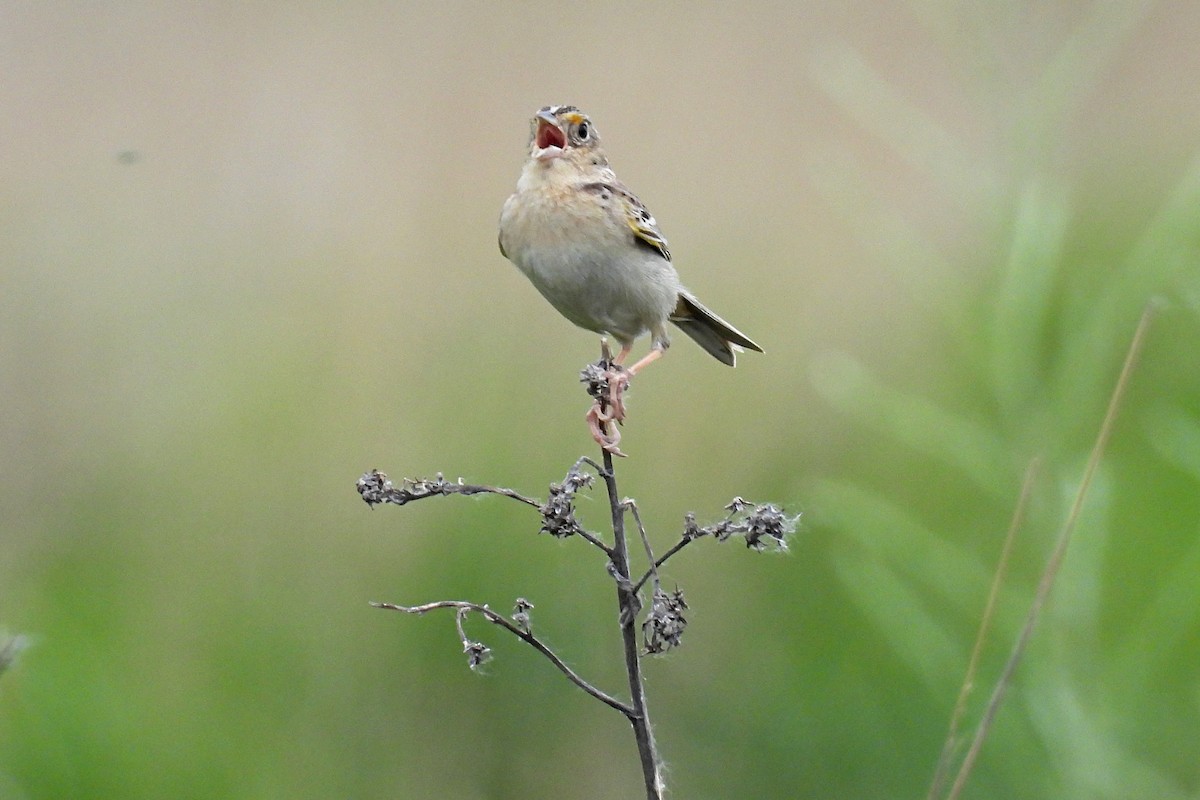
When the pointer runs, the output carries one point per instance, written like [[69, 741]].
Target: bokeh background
[[248, 251]]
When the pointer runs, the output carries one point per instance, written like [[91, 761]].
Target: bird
[[596, 253]]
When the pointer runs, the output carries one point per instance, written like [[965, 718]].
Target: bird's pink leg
[[646, 360], [618, 377], [603, 416], [618, 381]]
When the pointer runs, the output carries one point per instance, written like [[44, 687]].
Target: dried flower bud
[[594, 377], [759, 525], [724, 529], [737, 505], [374, 486], [558, 512], [520, 614], [768, 523], [478, 654]]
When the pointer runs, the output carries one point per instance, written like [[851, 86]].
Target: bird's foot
[[603, 427], [617, 378], [606, 382]]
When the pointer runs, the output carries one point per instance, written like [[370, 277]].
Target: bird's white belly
[[593, 274]]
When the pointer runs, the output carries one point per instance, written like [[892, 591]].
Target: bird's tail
[[715, 335]]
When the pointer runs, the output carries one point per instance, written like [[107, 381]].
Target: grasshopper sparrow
[[594, 251]]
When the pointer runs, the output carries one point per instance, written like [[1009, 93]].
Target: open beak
[[549, 138]]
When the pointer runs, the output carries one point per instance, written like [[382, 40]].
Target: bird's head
[[563, 131]]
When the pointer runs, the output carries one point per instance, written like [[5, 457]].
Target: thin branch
[[458, 623], [637, 517], [600, 470], [558, 514], [653, 570], [478, 653], [968, 685], [524, 636], [592, 539], [1060, 550], [759, 524], [375, 488]]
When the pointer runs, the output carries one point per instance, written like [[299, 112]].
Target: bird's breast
[[581, 255], [552, 231]]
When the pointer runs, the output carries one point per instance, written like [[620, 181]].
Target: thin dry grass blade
[[1056, 558], [985, 624]]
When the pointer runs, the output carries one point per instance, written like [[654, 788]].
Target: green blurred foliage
[[249, 253]]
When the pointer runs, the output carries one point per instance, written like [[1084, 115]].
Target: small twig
[[757, 523], [968, 685], [558, 512], [463, 606], [478, 653], [633, 509], [652, 572], [663, 627], [1056, 558], [591, 463], [594, 540], [376, 488]]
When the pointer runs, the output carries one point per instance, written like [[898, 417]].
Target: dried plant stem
[[629, 605], [1056, 558], [968, 685], [760, 525], [653, 570], [525, 636]]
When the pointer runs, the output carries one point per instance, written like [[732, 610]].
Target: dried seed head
[[558, 512], [520, 614], [768, 524], [478, 654], [663, 628], [760, 525], [374, 486]]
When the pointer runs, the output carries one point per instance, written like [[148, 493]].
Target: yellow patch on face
[[573, 118]]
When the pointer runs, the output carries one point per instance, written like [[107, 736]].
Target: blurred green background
[[248, 251]]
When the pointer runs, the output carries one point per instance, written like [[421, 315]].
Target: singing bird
[[594, 250]]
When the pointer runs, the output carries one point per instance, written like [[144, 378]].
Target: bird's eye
[[582, 131]]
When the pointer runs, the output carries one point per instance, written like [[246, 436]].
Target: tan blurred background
[[249, 251]]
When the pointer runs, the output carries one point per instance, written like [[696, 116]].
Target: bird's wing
[[637, 216]]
